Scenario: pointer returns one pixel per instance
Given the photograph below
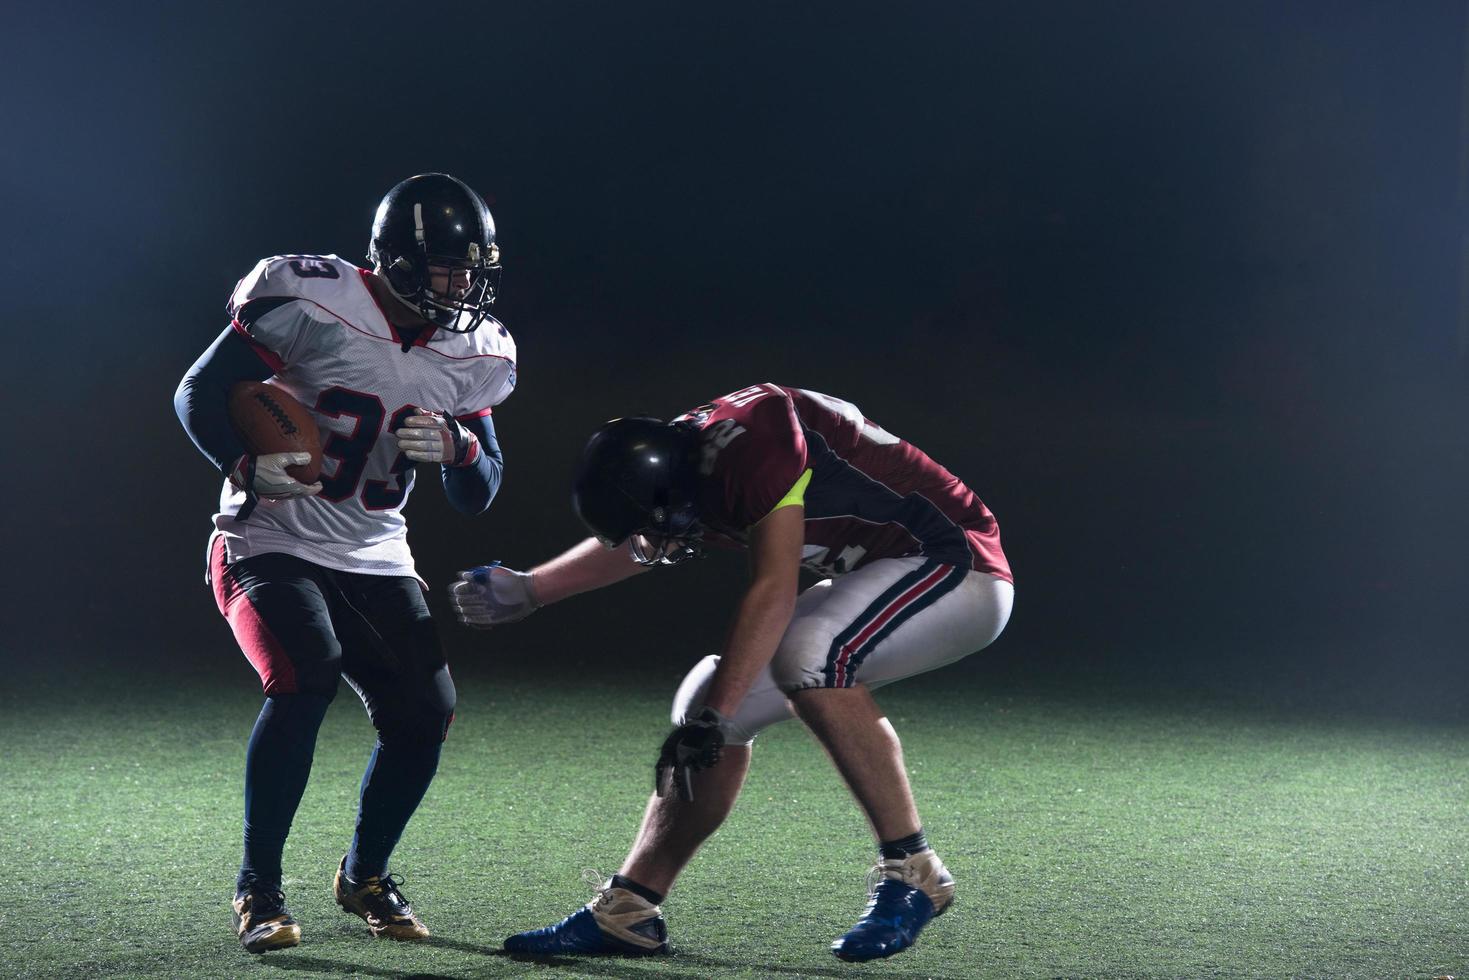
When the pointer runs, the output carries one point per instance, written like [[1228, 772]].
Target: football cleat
[[262, 920], [615, 923], [379, 902], [908, 893]]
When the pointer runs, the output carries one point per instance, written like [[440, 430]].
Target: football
[[268, 420]]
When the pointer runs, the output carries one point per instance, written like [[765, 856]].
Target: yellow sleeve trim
[[797, 494]]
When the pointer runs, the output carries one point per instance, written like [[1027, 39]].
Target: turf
[[1092, 836]]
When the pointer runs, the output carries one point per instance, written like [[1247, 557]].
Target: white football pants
[[890, 619]]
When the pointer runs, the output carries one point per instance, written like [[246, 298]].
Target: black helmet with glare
[[638, 479]]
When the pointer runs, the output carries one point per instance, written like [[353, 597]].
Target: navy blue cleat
[[898, 908], [615, 923]]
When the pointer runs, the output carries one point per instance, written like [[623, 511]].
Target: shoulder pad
[[322, 279], [491, 338]]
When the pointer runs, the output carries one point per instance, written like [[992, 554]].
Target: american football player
[[913, 578], [398, 365]]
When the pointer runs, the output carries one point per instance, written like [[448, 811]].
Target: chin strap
[[402, 265]]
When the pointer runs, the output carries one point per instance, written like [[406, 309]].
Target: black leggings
[[302, 626]]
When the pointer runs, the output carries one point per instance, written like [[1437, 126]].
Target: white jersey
[[334, 350]]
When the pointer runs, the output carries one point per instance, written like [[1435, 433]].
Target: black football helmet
[[433, 219], [638, 482]]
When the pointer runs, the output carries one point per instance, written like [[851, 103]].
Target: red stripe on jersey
[[271, 358], [893, 608], [388, 340], [476, 415], [423, 335]]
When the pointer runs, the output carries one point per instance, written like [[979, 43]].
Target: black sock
[[898, 849], [618, 881], [277, 763], [397, 776]]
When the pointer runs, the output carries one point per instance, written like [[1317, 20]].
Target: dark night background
[[1176, 287]]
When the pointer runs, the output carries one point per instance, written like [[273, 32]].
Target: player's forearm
[[582, 568], [471, 488], [202, 398], [762, 619]]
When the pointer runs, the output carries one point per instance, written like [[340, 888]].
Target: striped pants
[[890, 619]]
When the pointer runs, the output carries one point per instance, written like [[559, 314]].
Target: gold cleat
[[379, 903], [262, 920]]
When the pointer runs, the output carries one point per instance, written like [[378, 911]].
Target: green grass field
[[1091, 837]]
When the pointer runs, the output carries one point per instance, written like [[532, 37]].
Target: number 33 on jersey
[[315, 322]]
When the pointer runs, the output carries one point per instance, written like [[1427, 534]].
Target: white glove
[[265, 476], [429, 437], [492, 595]]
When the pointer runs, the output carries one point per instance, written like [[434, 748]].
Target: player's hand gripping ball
[[265, 476], [429, 437], [282, 442], [492, 595]]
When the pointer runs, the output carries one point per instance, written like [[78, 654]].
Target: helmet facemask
[[411, 280], [650, 550], [674, 535]]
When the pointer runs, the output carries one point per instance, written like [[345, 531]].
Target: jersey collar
[[425, 333]]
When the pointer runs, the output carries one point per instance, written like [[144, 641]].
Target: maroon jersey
[[871, 495]]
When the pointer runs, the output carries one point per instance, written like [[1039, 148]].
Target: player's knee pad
[[412, 727], [691, 690], [419, 713], [319, 676], [763, 705], [689, 697], [445, 699]]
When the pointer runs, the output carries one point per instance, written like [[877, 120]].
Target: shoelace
[[594, 880], [265, 902], [879, 871], [389, 885]]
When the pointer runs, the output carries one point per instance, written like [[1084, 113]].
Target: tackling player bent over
[[916, 579], [397, 366]]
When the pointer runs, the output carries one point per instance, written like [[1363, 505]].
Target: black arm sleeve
[[471, 488], [202, 398]]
